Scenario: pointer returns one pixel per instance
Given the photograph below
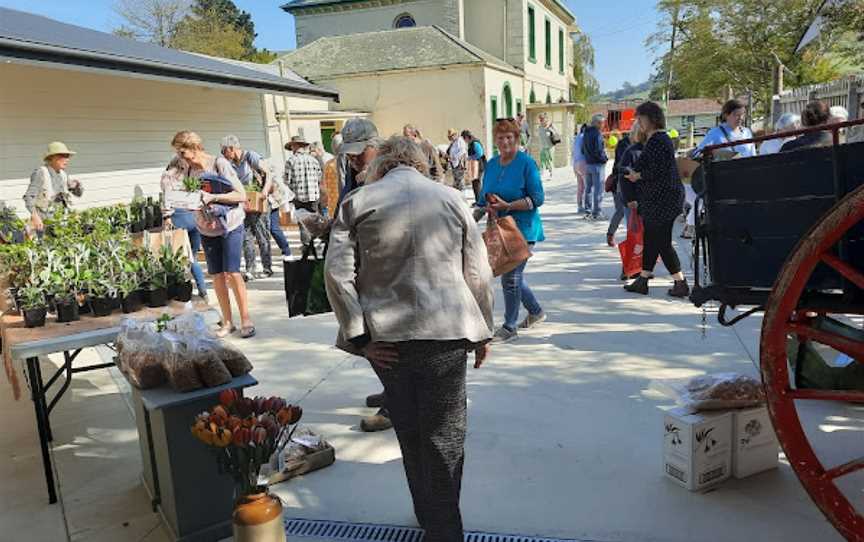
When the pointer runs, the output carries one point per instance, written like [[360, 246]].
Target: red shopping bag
[[631, 247]]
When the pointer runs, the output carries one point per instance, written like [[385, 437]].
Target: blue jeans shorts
[[223, 253]]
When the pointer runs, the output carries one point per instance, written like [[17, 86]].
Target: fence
[[847, 93]]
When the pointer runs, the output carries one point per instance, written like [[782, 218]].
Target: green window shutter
[[532, 38], [547, 27], [532, 98], [561, 50], [518, 107], [494, 109]]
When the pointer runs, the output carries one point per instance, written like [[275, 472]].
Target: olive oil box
[[755, 448], [697, 448]]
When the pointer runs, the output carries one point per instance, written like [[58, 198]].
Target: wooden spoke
[[840, 343], [850, 273], [850, 396], [845, 468]]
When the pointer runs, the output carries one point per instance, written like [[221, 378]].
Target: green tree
[[844, 25], [229, 14], [150, 20], [723, 46], [585, 84], [208, 34]]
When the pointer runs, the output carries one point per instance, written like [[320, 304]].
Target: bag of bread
[[719, 391]]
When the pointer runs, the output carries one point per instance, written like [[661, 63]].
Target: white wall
[[443, 13], [120, 127], [536, 72], [486, 26], [432, 100]]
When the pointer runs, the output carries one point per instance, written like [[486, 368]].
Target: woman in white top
[[50, 186], [222, 237], [787, 122]]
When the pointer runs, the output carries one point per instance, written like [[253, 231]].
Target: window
[[690, 119], [547, 31], [548, 97], [494, 108], [532, 98], [518, 107], [507, 96], [561, 50], [532, 38], [404, 21]]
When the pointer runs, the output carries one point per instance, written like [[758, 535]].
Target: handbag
[[305, 293], [631, 247], [609, 185], [505, 245]]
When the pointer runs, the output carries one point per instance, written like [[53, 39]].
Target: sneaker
[[376, 400], [600, 216], [679, 289], [248, 277], [504, 335], [532, 320], [268, 273], [204, 298], [688, 231], [638, 286], [377, 422]]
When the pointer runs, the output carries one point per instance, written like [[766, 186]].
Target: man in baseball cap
[[360, 142]]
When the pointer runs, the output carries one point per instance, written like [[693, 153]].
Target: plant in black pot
[[175, 264], [33, 305], [137, 218], [130, 292], [103, 294], [158, 288]]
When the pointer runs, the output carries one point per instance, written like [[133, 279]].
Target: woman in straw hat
[[50, 186]]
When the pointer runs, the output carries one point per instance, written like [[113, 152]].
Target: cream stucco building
[[118, 103], [440, 63]]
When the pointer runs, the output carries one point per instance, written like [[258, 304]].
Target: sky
[[618, 30]]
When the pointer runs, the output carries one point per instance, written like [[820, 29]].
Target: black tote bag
[[305, 294]]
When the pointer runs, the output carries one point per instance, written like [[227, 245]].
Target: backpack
[[553, 136]]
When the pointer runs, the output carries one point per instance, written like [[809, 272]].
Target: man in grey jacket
[[408, 277]]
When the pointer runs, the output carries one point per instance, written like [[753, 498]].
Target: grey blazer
[[406, 261]]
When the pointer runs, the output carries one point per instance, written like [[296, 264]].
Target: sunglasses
[[505, 119]]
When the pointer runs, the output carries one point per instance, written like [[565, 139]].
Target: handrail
[[834, 128]]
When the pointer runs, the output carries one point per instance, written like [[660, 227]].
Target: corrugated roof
[[32, 37], [387, 50]]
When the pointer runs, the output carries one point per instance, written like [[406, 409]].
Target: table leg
[[38, 395], [43, 391], [157, 493]]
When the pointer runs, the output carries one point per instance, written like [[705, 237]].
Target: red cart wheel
[[782, 320]]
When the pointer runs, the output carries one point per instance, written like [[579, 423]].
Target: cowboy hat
[[297, 140], [57, 147]]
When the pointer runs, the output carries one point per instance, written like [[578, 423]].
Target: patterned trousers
[[427, 403], [257, 227]]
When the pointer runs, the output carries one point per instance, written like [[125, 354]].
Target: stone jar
[[258, 518]]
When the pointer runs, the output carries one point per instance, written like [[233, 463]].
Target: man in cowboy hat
[[303, 176], [50, 186]]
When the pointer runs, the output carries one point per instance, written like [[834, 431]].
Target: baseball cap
[[357, 134]]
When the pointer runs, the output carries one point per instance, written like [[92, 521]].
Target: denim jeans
[[517, 292], [278, 234], [184, 219], [621, 211], [257, 233], [594, 183]]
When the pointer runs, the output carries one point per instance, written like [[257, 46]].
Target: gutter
[[48, 53]]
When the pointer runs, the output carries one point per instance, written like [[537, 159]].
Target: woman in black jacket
[[661, 198], [629, 192]]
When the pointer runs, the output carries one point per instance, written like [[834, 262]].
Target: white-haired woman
[[787, 122], [404, 251]]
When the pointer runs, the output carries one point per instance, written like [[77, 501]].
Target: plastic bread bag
[[142, 355], [190, 324], [315, 223], [179, 365], [719, 391], [236, 362], [207, 361]]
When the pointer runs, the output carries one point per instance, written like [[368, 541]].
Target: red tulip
[[296, 413], [259, 435], [259, 405], [228, 397], [242, 436], [245, 407], [234, 422]]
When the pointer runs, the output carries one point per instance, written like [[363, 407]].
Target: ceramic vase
[[258, 518]]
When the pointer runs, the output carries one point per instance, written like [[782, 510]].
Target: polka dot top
[[661, 192]]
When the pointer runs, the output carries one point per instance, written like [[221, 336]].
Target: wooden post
[[853, 100]]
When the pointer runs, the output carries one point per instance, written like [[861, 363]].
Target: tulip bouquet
[[246, 433]]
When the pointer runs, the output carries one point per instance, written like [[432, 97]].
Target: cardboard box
[[179, 199], [697, 448], [755, 447], [256, 202]]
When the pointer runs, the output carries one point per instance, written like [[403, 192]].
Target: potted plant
[[176, 266], [129, 287], [103, 294], [32, 303], [157, 290], [184, 287], [137, 218], [245, 434]]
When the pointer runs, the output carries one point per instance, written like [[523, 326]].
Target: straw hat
[[57, 147]]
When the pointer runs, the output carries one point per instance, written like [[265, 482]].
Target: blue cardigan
[[518, 179]]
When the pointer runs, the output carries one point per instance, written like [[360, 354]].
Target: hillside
[[626, 92]]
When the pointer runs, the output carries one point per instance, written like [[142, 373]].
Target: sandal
[[223, 331], [247, 332]]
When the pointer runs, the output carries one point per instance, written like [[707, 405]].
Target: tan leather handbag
[[505, 244]]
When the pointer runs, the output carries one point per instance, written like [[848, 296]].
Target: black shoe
[[268, 273], [376, 400], [623, 276], [638, 286], [679, 289]]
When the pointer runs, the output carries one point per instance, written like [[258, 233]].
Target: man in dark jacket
[[594, 150]]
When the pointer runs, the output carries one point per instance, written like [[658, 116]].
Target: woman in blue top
[[730, 129], [511, 186]]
